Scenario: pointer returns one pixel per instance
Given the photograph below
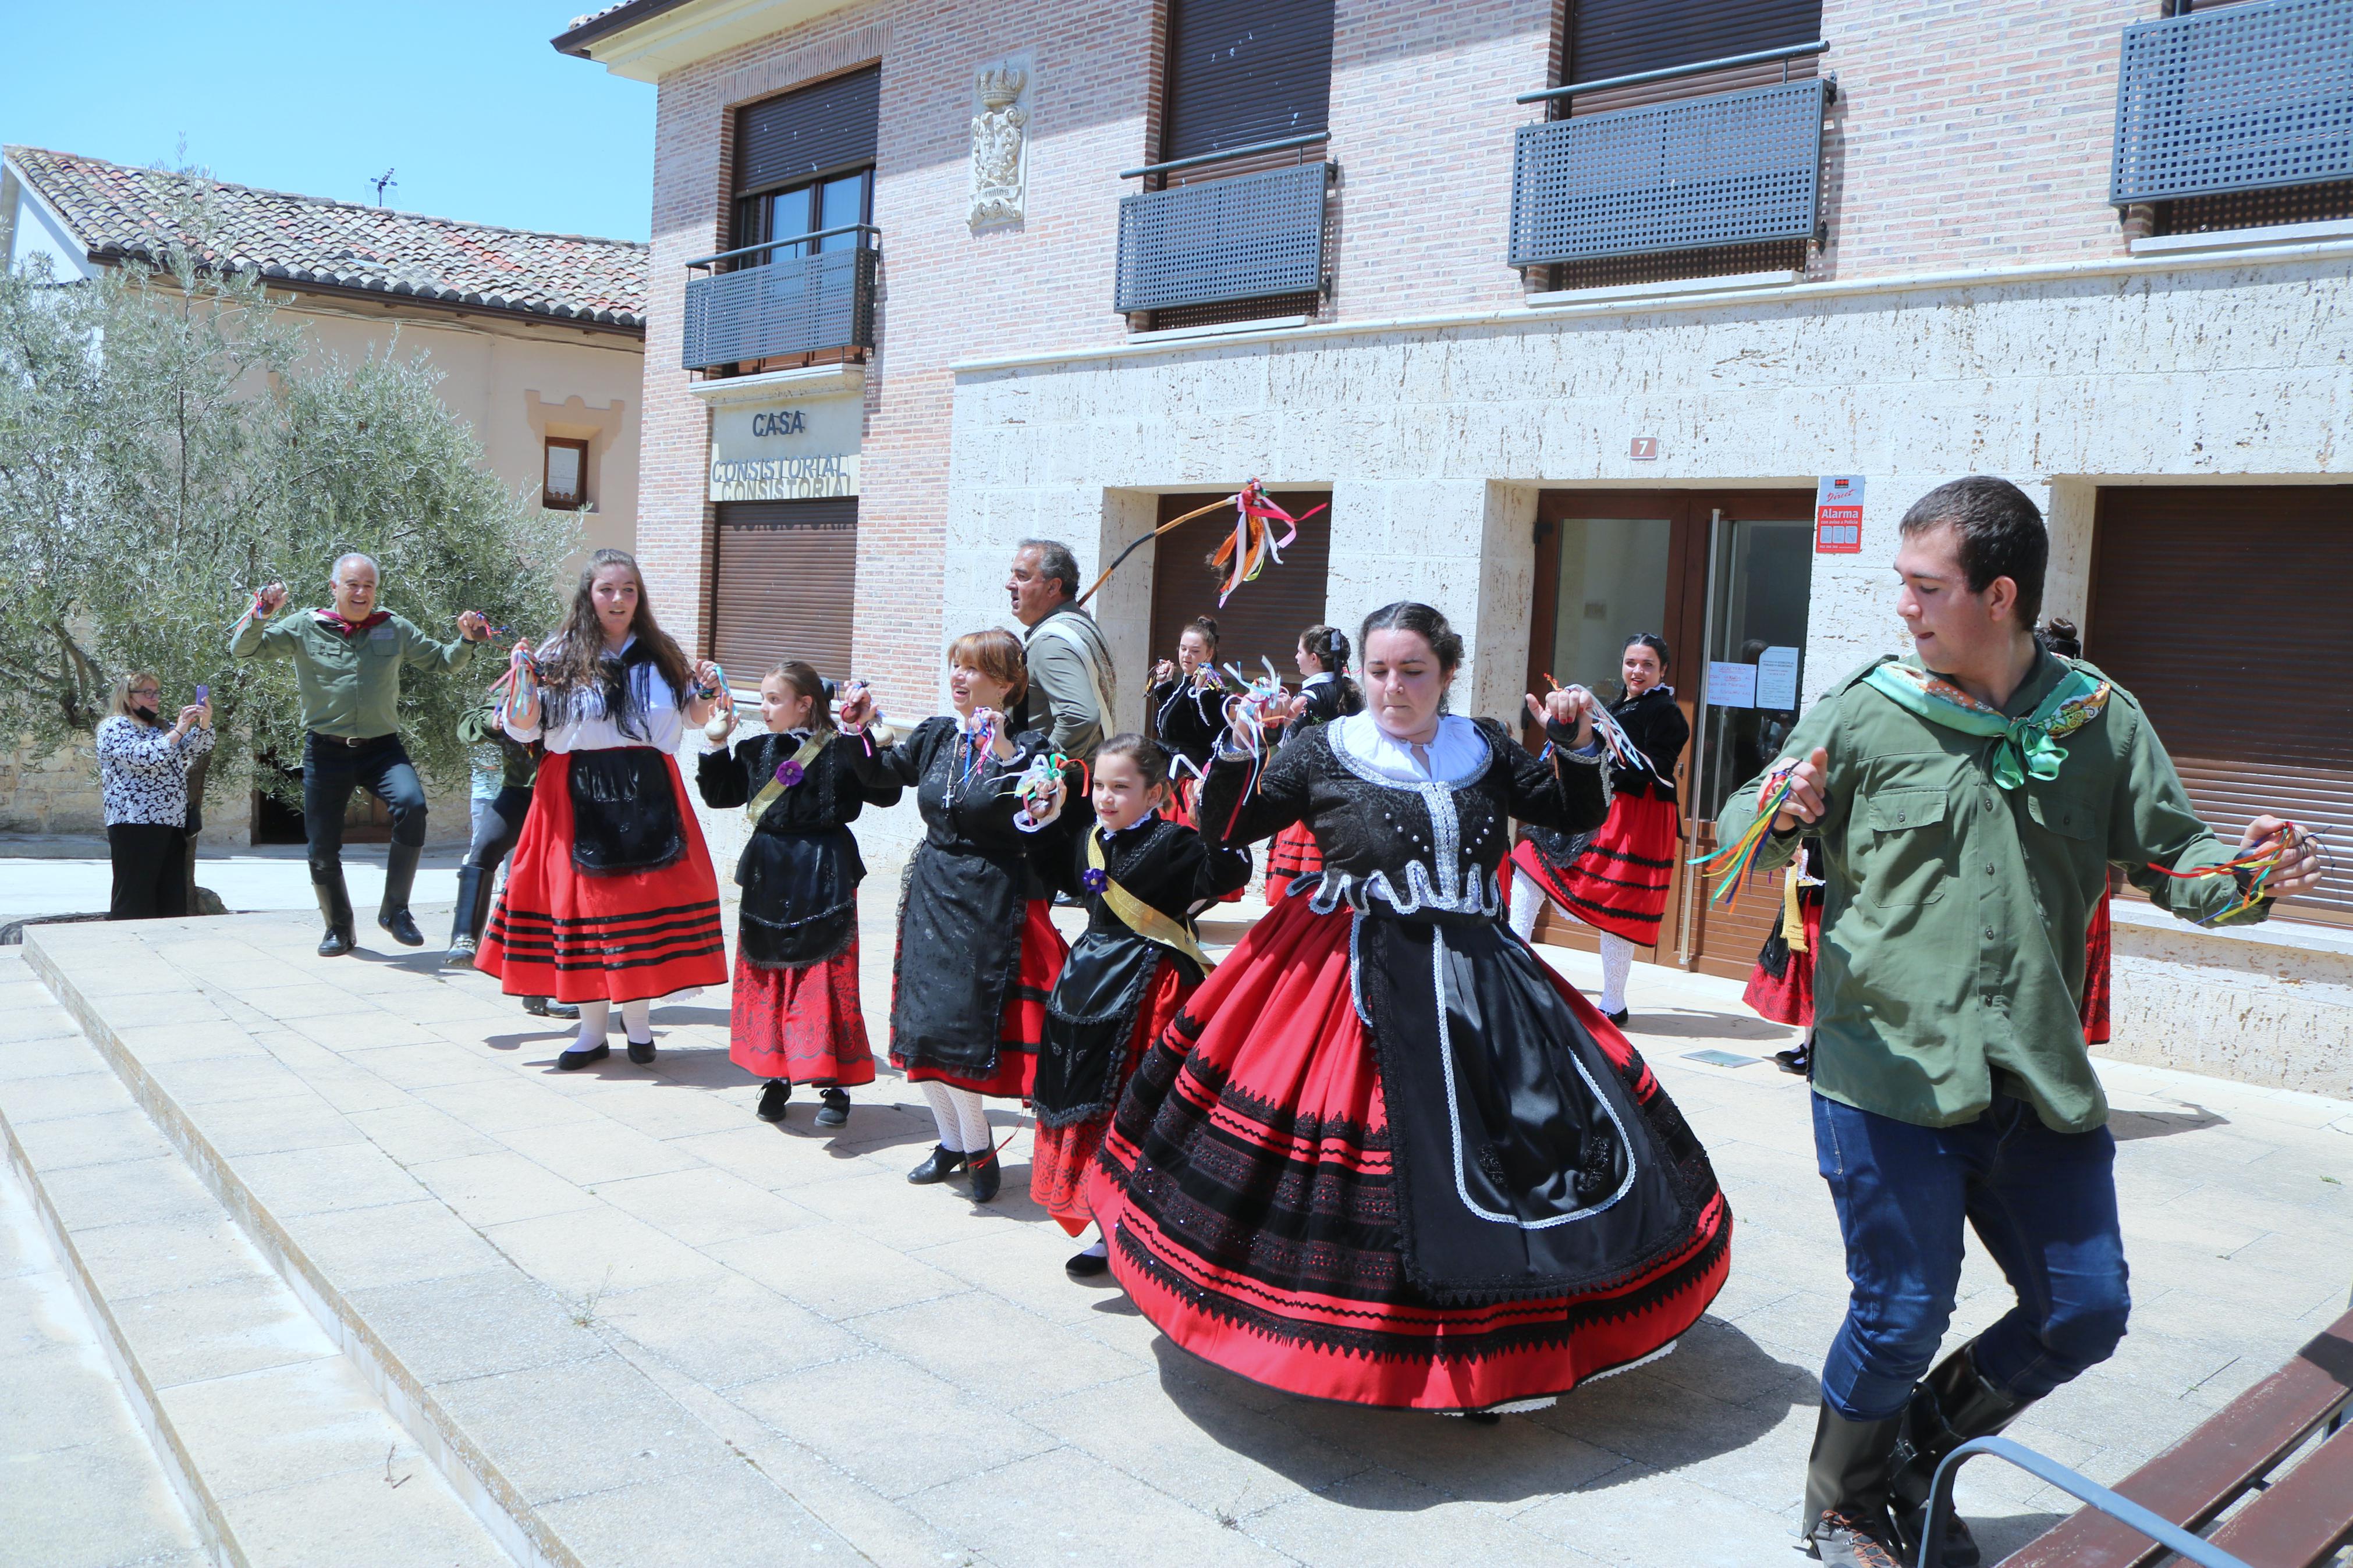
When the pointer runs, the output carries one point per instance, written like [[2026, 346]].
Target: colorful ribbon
[[1622, 747], [1743, 851], [1038, 783], [1252, 544], [2259, 866]]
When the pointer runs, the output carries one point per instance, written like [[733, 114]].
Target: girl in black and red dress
[[1781, 986], [1140, 877], [1325, 693], [977, 950], [1615, 879], [610, 896], [795, 1017], [1187, 705], [1385, 1154]]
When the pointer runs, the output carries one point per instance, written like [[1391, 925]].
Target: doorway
[[1726, 577], [1263, 619]]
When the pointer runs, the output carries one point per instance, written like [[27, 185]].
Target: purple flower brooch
[[788, 772], [1094, 879]]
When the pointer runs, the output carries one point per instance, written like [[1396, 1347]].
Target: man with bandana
[[347, 664], [1969, 802]]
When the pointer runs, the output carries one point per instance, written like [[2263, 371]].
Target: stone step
[[278, 1450]]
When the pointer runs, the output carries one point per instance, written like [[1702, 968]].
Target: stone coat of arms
[[1000, 146]]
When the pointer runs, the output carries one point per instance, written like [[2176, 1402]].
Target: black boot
[[1952, 1405], [400, 875], [987, 1176], [335, 908], [1847, 1522], [464, 924], [941, 1164], [773, 1099]]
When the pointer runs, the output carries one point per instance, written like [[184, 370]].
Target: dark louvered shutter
[[2222, 611], [788, 571], [1263, 619], [1619, 37], [811, 130], [1241, 71]]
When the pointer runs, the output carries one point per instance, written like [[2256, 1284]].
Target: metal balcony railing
[[751, 303], [2240, 97], [1738, 168], [1239, 238]]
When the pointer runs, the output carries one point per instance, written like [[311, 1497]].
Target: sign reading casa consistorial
[[786, 451]]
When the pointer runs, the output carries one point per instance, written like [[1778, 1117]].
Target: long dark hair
[[1407, 616], [573, 662], [1329, 647]]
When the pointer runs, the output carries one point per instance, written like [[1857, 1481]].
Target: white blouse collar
[[1457, 752], [1321, 678]]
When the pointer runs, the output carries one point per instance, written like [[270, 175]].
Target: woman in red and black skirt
[[1781, 986], [1615, 880], [610, 896], [1384, 1155], [1187, 705], [977, 951], [1325, 693], [795, 1017]]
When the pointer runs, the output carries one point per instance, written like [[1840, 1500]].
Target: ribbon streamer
[[1242, 527], [2260, 863], [1246, 554], [1742, 851], [1622, 747]]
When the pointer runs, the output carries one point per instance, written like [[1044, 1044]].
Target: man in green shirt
[[347, 664], [1968, 802]]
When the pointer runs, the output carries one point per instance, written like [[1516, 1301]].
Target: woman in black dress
[[1325, 693], [1186, 704]]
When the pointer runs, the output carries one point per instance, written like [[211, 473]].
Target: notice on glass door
[[1776, 678], [1731, 685]]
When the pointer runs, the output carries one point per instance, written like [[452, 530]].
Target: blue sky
[[463, 99]]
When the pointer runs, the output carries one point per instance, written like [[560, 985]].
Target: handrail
[[2121, 1508], [1219, 157], [1668, 73], [794, 239]]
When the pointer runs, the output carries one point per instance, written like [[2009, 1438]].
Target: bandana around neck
[[341, 628], [2027, 747]]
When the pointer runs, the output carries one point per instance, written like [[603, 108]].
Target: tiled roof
[[117, 213], [587, 29]]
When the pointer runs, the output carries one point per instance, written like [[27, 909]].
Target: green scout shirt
[[1951, 962], [349, 687], [481, 733]]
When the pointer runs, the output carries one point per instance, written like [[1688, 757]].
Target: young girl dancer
[[1385, 1154], [1188, 705], [1615, 880], [795, 1017], [610, 896], [977, 954], [1325, 693], [1139, 875]]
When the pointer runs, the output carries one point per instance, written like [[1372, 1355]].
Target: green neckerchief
[[771, 792], [2029, 747]]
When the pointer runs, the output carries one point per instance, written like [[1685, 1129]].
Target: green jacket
[[349, 687], [1951, 961], [482, 735]]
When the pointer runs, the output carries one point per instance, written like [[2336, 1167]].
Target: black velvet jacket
[[800, 868], [1660, 732], [1187, 719], [1420, 850]]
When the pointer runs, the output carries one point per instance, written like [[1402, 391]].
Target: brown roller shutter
[[1620, 37], [1264, 619], [783, 586], [2223, 611], [1241, 71], [811, 130]]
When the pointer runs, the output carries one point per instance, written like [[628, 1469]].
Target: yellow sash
[[1142, 918], [773, 790]]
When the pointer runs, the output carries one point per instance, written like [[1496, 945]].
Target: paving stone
[[247, 1322], [397, 1244], [1027, 1358], [499, 1186], [359, 1514], [1102, 1514], [417, 1135], [261, 1431], [578, 1426], [334, 1179], [592, 1152], [703, 1205], [471, 1325], [590, 1251], [835, 1271], [895, 1428], [741, 1518]]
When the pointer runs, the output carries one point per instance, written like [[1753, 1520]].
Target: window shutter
[[1263, 619], [817, 129], [1619, 37], [1241, 71], [2244, 683], [784, 586]]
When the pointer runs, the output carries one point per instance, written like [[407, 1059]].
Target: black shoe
[[1797, 1060], [773, 1099], [1842, 1542], [1952, 1405], [335, 908], [1483, 1418], [1846, 1512], [641, 1052], [987, 1176], [572, 1061], [399, 876], [541, 1007], [938, 1166], [835, 1112], [1618, 1018], [1087, 1265]]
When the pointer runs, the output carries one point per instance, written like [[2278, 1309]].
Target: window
[[564, 486], [803, 162], [783, 586], [1241, 71]]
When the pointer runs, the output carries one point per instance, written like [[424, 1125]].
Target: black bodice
[[1187, 717], [1660, 732], [800, 867]]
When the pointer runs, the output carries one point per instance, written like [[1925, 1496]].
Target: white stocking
[[974, 1111], [1528, 903], [594, 1020], [962, 1118], [1616, 962], [637, 1019], [942, 1100]]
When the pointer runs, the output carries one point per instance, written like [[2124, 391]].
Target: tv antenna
[[380, 182]]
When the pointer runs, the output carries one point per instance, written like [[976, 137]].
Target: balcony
[[1738, 168], [1250, 236], [2243, 98], [781, 299]]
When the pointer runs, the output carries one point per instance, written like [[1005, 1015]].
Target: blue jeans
[[2044, 1205]]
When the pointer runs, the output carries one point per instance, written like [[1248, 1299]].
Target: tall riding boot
[[1952, 1405], [466, 924], [335, 908], [1847, 1522], [400, 875]]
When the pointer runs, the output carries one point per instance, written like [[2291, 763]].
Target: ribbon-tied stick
[[1244, 554]]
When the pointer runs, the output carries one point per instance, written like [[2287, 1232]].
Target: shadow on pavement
[[1998, 1537], [2129, 1125], [1695, 1026]]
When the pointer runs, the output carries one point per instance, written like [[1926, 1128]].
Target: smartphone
[[204, 694]]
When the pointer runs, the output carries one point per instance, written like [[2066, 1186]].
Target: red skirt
[[1060, 1157], [1023, 1021], [588, 939], [2098, 943], [1293, 853], [1619, 883], [1266, 1089], [1790, 999], [804, 1025]]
